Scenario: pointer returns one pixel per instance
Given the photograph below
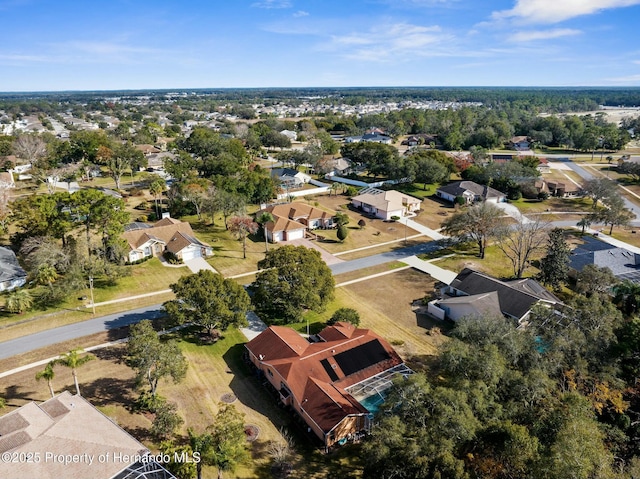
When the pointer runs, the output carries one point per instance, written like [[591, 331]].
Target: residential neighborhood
[[311, 293]]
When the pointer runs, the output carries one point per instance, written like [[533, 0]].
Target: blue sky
[[137, 44]]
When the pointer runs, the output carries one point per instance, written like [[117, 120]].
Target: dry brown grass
[[385, 303], [375, 232]]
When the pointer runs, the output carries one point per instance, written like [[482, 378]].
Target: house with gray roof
[[624, 264], [473, 293], [11, 273], [472, 192], [289, 178]]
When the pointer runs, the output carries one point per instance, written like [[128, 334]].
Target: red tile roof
[[318, 373]]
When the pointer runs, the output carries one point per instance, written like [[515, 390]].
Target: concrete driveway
[[514, 212], [326, 256], [197, 264]]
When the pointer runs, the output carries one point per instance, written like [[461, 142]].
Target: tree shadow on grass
[[249, 390], [105, 391], [17, 392]]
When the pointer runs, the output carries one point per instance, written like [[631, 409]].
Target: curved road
[[585, 175], [114, 321]]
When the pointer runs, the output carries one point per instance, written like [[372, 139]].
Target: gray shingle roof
[[458, 188], [515, 300]]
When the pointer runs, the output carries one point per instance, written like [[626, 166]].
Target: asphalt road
[[118, 320], [76, 331], [585, 175], [374, 260]]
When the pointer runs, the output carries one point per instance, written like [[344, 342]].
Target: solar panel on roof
[[361, 357], [330, 371]]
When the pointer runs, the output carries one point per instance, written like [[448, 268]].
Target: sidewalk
[[433, 234], [436, 272]]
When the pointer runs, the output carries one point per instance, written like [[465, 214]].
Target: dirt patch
[[386, 306], [252, 432], [228, 398]]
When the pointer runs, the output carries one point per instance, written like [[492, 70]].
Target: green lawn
[[495, 263], [526, 206], [417, 189]]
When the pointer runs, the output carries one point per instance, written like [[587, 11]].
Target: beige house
[[66, 437], [292, 220], [168, 234], [385, 204]]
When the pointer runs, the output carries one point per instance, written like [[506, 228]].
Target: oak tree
[[210, 301]]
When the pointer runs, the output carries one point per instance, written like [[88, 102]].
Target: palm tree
[[73, 360], [584, 223], [240, 227], [46, 274], [334, 188], [156, 188], [262, 219], [47, 373], [19, 301]]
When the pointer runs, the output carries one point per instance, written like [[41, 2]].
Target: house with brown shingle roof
[[168, 234], [291, 220], [67, 437], [327, 383]]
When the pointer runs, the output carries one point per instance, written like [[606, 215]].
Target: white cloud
[[555, 11], [18, 59], [534, 35], [635, 79], [269, 4], [395, 41], [301, 13]]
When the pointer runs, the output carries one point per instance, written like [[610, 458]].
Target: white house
[[471, 192], [292, 135], [290, 178], [385, 204]]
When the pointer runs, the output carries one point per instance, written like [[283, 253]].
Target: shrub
[[147, 402], [347, 315], [166, 421], [352, 191], [171, 258], [342, 233], [362, 224]]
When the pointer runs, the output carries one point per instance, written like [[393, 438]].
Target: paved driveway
[[326, 256], [197, 264], [514, 212], [433, 234]]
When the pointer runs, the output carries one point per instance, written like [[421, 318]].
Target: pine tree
[[554, 266]]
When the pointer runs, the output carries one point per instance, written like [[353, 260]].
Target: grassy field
[[494, 263], [582, 205]]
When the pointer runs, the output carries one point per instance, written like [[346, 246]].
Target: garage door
[[295, 234], [190, 253]]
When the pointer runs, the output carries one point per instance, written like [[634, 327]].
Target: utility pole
[[93, 304]]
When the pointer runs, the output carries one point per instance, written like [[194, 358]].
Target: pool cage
[[376, 385]]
